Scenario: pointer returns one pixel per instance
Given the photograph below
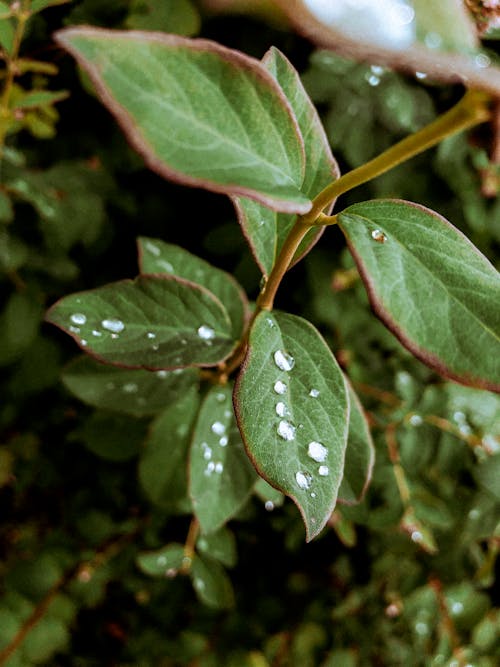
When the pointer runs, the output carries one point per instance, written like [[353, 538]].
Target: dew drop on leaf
[[218, 428], [314, 393], [220, 397], [269, 505], [78, 318], [96, 333], [161, 374], [130, 388], [205, 332], [280, 387], [303, 479], [83, 343], [323, 471], [75, 330], [219, 467], [113, 324], [162, 561], [379, 236], [286, 430], [223, 441], [281, 409], [283, 360], [151, 335], [317, 451], [150, 247]]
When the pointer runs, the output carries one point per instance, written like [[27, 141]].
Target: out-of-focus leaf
[[211, 583], [175, 16], [220, 546], [487, 475], [19, 323], [112, 437], [163, 561]]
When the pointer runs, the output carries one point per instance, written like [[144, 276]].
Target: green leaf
[[230, 128], [177, 16], [39, 5], [162, 562], [487, 475], [267, 230], [211, 583], [430, 286], [359, 456], [40, 98], [133, 392], [156, 256], [220, 474], [154, 322], [7, 33], [445, 25], [163, 464], [112, 437], [293, 409], [19, 324], [219, 546]]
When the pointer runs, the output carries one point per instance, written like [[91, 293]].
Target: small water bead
[[219, 467], [220, 397], [372, 79], [113, 324], [161, 561], [130, 388], [227, 413], [317, 451], [303, 479], [421, 628], [269, 322], [83, 343], [457, 608], [283, 360], [75, 330], [161, 374], [416, 420], [482, 60], [166, 266], [490, 443], [313, 495], [114, 336], [379, 236], [199, 584], [96, 333], [205, 332], [323, 471], [210, 468], [152, 248], [281, 409], [151, 335], [223, 441], [155, 348], [417, 536], [421, 75], [314, 393], [207, 454], [433, 40], [286, 430], [218, 428], [269, 505], [280, 387], [78, 318]]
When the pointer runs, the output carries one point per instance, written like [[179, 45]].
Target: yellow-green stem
[[472, 109]]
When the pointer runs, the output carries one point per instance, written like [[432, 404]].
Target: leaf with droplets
[[156, 256], [292, 408], [220, 475], [430, 286], [267, 230], [359, 456], [131, 391], [155, 322], [211, 583], [163, 561], [199, 113], [164, 458]]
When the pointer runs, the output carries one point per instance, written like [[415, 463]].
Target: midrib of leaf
[[433, 277]]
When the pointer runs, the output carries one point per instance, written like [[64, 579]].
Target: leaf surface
[[430, 286], [211, 583], [266, 230], [220, 475], [198, 113], [294, 422], [155, 322], [156, 256], [158, 563]]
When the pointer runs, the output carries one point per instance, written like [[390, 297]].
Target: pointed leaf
[[40, 98], [162, 562], [220, 476], [164, 460], [293, 410], [267, 230], [430, 286], [359, 456], [211, 583], [133, 392], [154, 322], [156, 256], [185, 106]]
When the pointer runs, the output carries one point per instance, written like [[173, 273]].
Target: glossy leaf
[[359, 456], [430, 286], [267, 230], [293, 409], [133, 392], [154, 322], [162, 562], [156, 256], [185, 106], [220, 475], [164, 459], [211, 583]]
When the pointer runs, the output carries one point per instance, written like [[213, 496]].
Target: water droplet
[[283, 360], [303, 479], [151, 335], [205, 332], [75, 330], [372, 79], [457, 608], [210, 468], [199, 584], [281, 409], [83, 343], [317, 451], [223, 441], [218, 428], [150, 247], [114, 336], [421, 628], [78, 318], [269, 505], [379, 236], [323, 471], [96, 333], [269, 322], [474, 514], [227, 413], [219, 467], [161, 561], [313, 495], [421, 75], [482, 60], [417, 536], [416, 420], [113, 324], [376, 69], [166, 266], [161, 374], [220, 397], [261, 223], [280, 387], [207, 454], [433, 40], [314, 393], [130, 388], [286, 430], [155, 348], [491, 443]]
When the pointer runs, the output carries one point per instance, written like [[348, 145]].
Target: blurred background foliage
[[92, 555]]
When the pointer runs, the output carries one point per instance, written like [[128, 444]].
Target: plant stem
[[472, 109]]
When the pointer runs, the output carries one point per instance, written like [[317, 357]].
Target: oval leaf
[[211, 583], [293, 410], [156, 256], [162, 562], [133, 392], [154, 322], [430, 286], [220, 475], [184, 105], [267, 230]]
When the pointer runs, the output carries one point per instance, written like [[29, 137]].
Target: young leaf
[[211, 583], [162, 562], [163, 463], [293, 409], [154, 322], [198, 113], [220, 474], [156, 256], [430, 286], [359, 456], [267, 230]]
